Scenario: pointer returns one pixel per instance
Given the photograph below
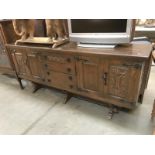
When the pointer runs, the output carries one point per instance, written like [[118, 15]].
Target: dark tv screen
[[98, 25]]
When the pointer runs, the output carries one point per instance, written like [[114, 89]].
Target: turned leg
[[113, 109], [153, 111], [68, 97]]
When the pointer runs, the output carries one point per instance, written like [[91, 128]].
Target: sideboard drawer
[[63, 64], [59, 58], [61, 80], [63, 68]]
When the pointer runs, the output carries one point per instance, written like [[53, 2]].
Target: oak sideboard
[[116, 76]]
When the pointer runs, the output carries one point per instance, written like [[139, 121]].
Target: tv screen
[[99, 25], [101, 31]]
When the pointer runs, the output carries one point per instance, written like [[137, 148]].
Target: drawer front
[[61, 80], [63, 64]]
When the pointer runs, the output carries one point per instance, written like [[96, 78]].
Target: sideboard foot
[[20, 82], [68, 97], [36, 87], [140, 99], [113, 110]]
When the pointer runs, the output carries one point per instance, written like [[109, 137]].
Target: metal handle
[[49, 80], [46, 65], [69, 69], [71, 86], [70, 78], [45, 57], [81, 59], [105, 78], [68, 60], [133, 65], [48, 73]]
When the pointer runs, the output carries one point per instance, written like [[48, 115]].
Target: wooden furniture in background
[[7, 35], [116, 76]]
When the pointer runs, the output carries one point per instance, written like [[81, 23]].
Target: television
[[100, 32]]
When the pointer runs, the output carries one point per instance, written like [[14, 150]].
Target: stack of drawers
[[59, 71]]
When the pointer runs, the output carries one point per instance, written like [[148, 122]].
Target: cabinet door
[[122, 80], [4, 60], [34, 65], [28, 63], [88, 74], [20, 61]]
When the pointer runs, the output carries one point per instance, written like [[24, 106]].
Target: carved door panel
[[4, 60], [88, 74], [121, 80], [20, 60], [34, 65]]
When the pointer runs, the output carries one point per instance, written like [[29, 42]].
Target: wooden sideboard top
[[142, 51]]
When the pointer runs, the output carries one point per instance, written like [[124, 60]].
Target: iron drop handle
[[105, 75]]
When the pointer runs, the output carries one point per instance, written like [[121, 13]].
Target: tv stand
[[96, 45]]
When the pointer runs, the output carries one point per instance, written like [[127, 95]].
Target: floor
[[22, 112]]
